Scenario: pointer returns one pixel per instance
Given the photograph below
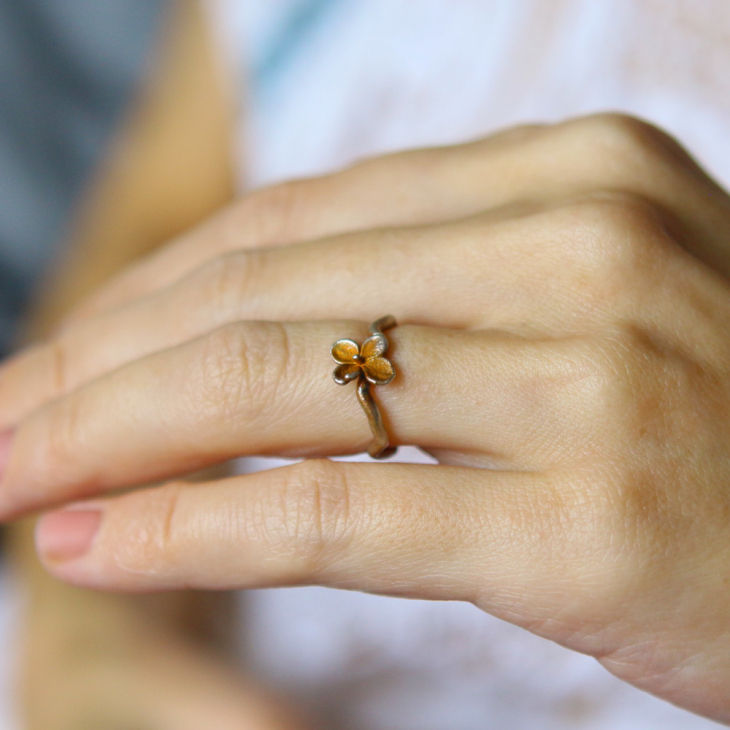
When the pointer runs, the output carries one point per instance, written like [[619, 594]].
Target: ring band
[[366, 364]]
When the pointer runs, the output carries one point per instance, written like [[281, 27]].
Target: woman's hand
[[564, 308]]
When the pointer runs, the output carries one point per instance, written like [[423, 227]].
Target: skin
[[154, 662], [563, 350]]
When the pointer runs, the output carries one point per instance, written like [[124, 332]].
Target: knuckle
[[621, 137], [615, 363], [307, 517], [656, 403], [616, 382], [641, 400], [242, 369], [61, 442], [615, 236], [582, 382], [634, 525], [607, 369], [55, 355], [148, 541], [627, 152], [225, 283], [635, 383], [619, 520], [278, 213], [614, 540]]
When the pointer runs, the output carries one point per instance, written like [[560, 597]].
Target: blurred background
[[125, 122]]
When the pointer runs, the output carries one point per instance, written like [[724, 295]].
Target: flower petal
[[378, 370], [345, 351], [374, 346], [345, 372]]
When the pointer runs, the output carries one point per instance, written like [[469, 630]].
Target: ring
[[367, 364]]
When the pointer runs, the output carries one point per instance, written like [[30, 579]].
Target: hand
[[564, 307]]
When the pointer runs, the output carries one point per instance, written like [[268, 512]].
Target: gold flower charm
[[367, 360], [369, 367]]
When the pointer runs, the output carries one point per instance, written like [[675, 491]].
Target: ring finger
[[525, 275], [265, 388]]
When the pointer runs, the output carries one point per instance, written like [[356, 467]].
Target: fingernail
[[67, 533]]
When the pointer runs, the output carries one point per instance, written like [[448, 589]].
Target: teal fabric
[[67, 70]]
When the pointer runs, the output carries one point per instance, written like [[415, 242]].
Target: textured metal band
[[367, 364]]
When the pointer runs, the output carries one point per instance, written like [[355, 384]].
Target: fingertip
[[67, 534]]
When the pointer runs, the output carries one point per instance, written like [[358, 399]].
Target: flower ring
[[367, 364]]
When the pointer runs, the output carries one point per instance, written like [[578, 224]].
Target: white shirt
[[361, 77]]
